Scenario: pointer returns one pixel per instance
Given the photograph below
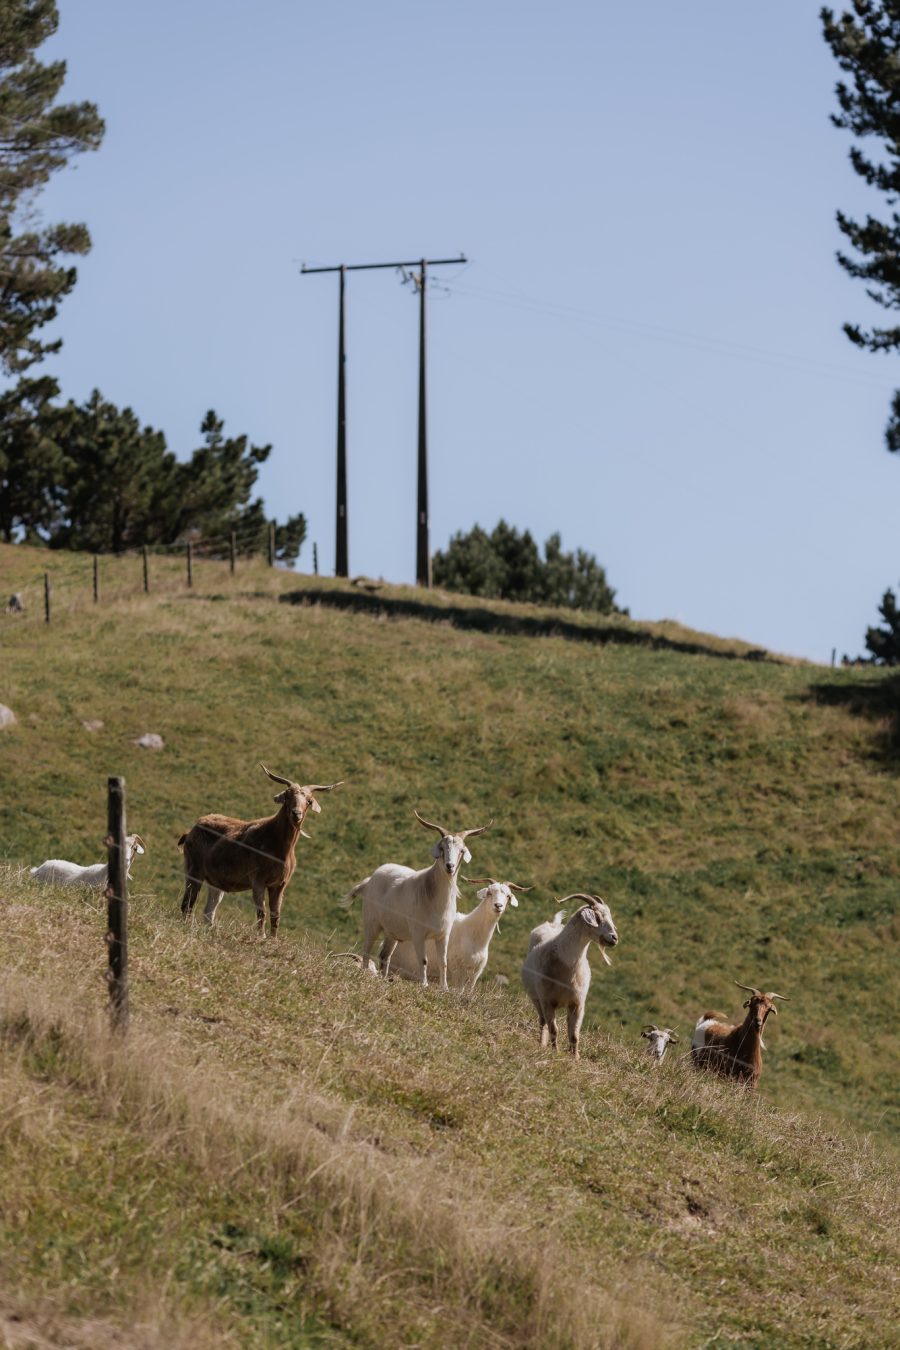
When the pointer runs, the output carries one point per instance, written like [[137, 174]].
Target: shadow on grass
[[517, 625], [877, 701]]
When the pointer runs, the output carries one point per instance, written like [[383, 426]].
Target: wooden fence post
[[232, 549], [96, 580], [46, 597], [315, 560], [146, 572], [190, 563], [271, 543], [117, 904]]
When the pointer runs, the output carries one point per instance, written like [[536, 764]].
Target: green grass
[[738, 815]]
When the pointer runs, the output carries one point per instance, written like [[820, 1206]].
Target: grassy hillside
[[739, 815], [284, 1152]]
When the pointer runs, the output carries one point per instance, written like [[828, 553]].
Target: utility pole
[[423, 556], [423, 552]]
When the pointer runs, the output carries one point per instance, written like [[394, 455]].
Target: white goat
[[470, 937], [58, 872], [658, 1041], [556, 972], [409, 906]]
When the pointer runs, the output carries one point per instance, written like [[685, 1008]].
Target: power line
[[713, 343]]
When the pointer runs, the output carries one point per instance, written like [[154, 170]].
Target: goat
[[735, 1051], [470, 937], [248, 855], [409, 906], [556, 972], [659, 1041], [58, 872]]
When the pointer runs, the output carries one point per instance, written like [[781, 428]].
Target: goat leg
[[259, 899], [276, 895], [574, 1020], [441, 945], [388, 947], [213, 897]]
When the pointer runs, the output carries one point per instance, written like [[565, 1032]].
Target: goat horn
[[323, 787], [748, 987], [576, 895], [651, 1026], [430, 825], [494, 882], [464, 834], [139, 840], [784, 996], [276, 777]]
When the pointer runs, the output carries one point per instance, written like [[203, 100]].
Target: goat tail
[[182, 839], [346, 902]]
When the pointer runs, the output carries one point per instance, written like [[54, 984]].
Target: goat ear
[[466, 854], [482, 894], [436, 851], [514, 902], [139, 848], [747, 1004], [589, 916], [314, 805], [646, 1035], [280, 798]]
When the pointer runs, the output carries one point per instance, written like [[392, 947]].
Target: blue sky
[[644, 351]]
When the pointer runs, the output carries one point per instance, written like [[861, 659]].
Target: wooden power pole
[[423, 556]]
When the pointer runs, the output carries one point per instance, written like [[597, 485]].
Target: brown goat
[[735, 1051], [248, 855]]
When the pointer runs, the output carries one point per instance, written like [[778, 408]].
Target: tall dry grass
[[398, 1241]]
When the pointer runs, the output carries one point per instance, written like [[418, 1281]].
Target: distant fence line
[[222, 549]]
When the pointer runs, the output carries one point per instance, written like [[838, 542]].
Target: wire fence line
[[112, 576]]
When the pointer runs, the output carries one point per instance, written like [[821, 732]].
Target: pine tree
[[31, 463], [507, 565], [147, 496], [866, 45], [119, 482], [884, 643], [37, 138], [214, 496]]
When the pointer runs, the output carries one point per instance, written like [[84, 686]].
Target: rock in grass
[[92, 724], [7, 716], [150, 741]]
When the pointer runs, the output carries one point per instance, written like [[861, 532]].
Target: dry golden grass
[[394, 1231], [403, 1159]]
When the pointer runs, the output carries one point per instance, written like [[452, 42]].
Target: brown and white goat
[[735, 1051], [248, 855]]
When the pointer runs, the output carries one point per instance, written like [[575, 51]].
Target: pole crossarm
[[369, 267]]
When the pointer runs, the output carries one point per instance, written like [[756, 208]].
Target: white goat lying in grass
[[556, 972], [58, 872], [470, 938], [659, 1039]]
